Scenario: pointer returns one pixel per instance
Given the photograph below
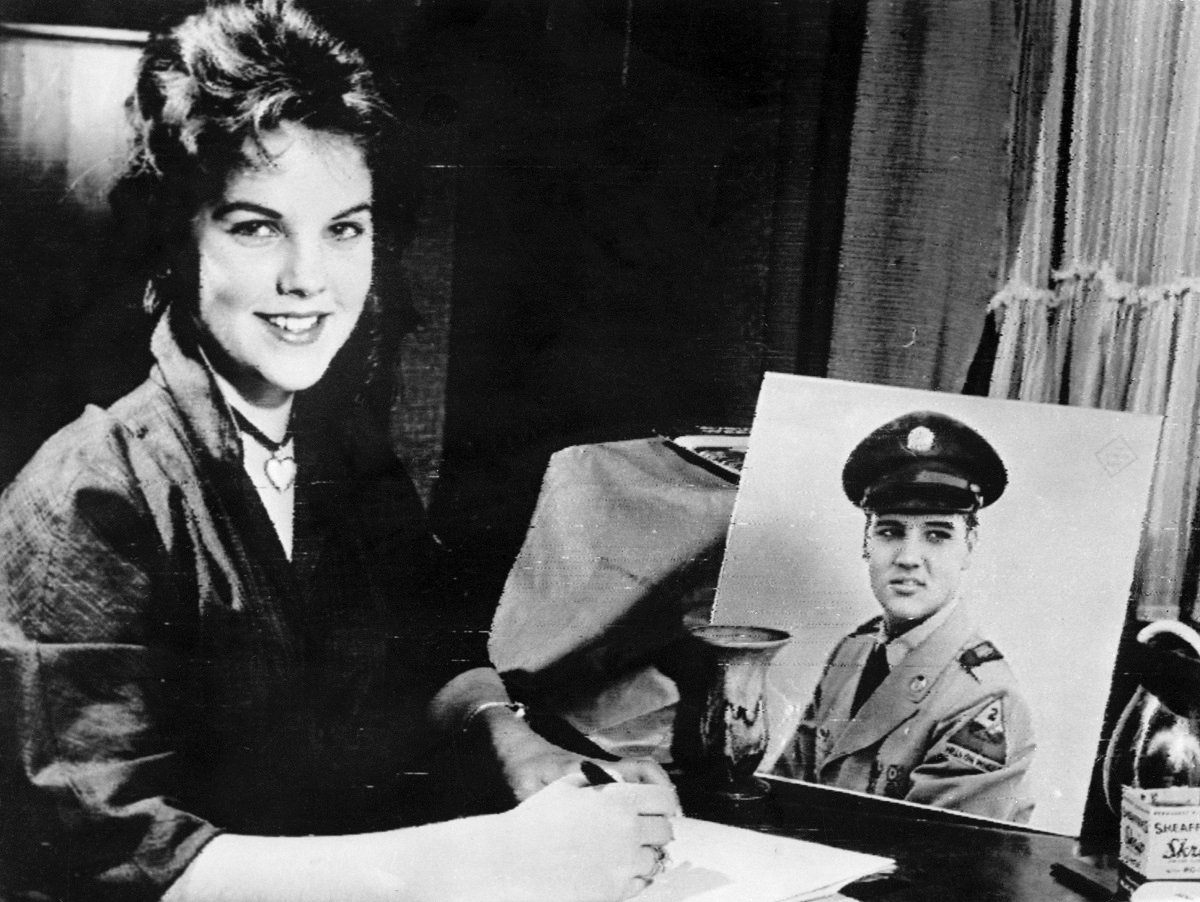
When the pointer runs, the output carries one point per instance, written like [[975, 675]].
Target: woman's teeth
[[294, 323]]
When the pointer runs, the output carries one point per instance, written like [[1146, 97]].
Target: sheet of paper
[[714, 862]]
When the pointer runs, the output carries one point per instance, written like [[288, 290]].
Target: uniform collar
[[899, 648]]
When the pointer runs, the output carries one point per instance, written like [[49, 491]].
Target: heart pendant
[[281, 471]]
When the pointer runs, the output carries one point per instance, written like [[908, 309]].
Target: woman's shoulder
[[97, 449]]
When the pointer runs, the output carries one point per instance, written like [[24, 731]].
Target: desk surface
[[940, 859]]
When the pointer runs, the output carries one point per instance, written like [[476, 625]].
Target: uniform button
[[918, 683]]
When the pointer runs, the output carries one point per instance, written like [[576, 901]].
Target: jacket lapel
[[901, 694]]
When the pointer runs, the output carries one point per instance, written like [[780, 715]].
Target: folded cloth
[[625, 541]]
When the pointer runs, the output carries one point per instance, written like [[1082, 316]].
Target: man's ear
[[972, 539]]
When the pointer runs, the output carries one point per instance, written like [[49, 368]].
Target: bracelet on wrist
[[518, 710]]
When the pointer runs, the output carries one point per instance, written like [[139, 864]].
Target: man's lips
[[906, 585]]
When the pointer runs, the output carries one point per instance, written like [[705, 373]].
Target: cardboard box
[[1160, 832]]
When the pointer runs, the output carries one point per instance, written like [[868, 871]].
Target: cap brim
[[916, 498]]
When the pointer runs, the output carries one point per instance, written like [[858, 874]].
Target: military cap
[[924, 461]]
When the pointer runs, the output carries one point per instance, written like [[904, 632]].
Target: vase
[[733, 716], [1156, 741]]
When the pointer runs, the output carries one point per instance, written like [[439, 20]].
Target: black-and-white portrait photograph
[[590, 450], [955, 574]]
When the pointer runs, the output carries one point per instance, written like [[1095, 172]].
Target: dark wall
[[625, 186]]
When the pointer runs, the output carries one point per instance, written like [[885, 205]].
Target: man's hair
[[206, 93]]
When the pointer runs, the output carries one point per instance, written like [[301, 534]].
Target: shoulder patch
[[981, 743], [979, 654]]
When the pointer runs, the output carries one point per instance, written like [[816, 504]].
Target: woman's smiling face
[[285, 263]]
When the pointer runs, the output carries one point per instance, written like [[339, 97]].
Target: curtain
[[1116, 325], [944, 144]]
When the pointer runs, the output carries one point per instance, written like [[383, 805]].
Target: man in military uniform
[[916, 704]]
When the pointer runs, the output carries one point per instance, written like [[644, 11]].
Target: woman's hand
[[533, 764], [573, 841], [527, 763]]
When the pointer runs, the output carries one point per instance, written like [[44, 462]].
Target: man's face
[[916, 562]]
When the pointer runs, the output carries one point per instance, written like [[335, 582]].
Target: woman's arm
[[568, 843], [496, 751], [89, 760]]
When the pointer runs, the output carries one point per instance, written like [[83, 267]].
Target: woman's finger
[[648, 862], [636, 885], [654, 831], [639, 770]]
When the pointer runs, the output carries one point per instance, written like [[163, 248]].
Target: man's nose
[[303, 271], [909, 552]]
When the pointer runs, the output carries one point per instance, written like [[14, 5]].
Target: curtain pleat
[[948, 113]]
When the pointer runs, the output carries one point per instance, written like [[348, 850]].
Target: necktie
[[873, 673]]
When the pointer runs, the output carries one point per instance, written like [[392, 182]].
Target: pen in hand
[[595, 774]]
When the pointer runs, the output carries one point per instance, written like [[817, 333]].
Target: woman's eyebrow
[[364, 207], [242, 206]]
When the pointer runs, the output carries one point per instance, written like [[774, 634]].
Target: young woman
[[220, 651]]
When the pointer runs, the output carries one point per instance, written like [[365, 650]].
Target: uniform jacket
[[947, 727], [167, 673]]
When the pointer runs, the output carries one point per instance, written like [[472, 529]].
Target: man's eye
[[887, 532], [254, 229], [938, 536]]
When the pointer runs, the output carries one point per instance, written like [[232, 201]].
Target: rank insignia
[[979, 654], [980, 743]]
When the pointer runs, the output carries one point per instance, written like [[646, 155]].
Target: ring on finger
[[661, 861]]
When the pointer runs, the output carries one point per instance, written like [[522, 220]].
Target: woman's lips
[[295, 329]]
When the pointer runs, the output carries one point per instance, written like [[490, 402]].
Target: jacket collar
[[208, 425]]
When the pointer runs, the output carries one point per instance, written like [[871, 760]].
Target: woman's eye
[[254, 229], [347, 231]]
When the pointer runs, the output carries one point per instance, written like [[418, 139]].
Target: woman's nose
[[303, 271]]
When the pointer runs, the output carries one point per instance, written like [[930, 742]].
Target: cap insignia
[[920, 440]]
